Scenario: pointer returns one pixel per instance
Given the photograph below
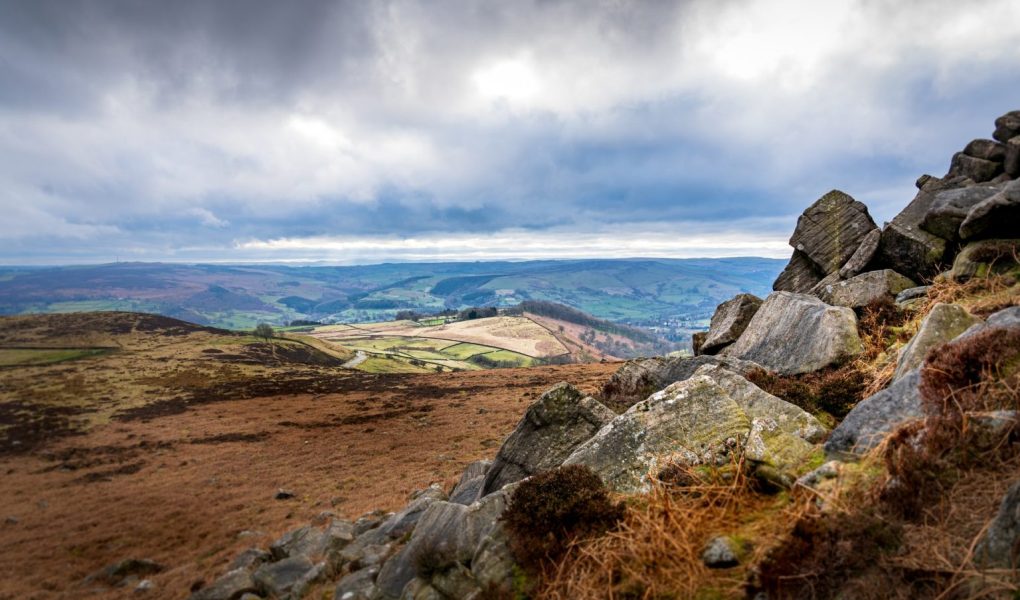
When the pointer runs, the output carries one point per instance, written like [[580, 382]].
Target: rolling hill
[[671, 296]]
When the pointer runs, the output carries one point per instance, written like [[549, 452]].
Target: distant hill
[[670, 296]]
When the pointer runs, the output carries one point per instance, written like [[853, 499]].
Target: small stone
[[144, 586], [323, 517], [11, 521], [866, 288], [250, 559], [282, 494], [729, 321], [279, 578], [228, 586], [977, 170], [913, 293], [722, 552]]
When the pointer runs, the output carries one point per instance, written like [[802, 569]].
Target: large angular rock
[[862, 256], [277, 579], [830, 230], [950, 208], [493, 564], [692, 421], [639, 378], [943, 323], [759, 404], [995, 216], [396, 573], [984, 258], [359, 585], [729, 321], [229, 586], [977, 170], [877, 416], [471, 481], [986, 149], [404, 521], [800, 275], [904, 246], [1007, 126], [797, 333], [862, 290], [702, 419], [551, 428], [306, 541], [1001, 543], [450, 535]]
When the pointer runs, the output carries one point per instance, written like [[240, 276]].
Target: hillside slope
[[639, 291]]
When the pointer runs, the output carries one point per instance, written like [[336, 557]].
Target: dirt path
[[191, 490], [359, 358]]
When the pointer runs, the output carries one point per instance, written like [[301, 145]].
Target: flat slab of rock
[[830, 230], [796, 333], [551, 428], [943, 323], [862, 256], [877, 416], [637, 379], [866, 288], [976, 169], [692, 421], [800, 275], [995, 216], [702, 419], [729, 321]]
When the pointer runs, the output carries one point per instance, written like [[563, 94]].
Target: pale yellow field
[[518, 334]]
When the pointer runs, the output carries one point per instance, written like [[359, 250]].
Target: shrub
[[550, 510], [834, 391], [973, 375], [824, 550]]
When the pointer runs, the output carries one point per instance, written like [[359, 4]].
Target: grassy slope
[[78, 370]]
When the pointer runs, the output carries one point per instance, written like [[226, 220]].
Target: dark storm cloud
[[265, 129]]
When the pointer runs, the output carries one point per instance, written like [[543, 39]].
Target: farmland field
[[405, 346]]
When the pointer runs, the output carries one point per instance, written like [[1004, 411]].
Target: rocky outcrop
[[701, 420], [950, 207], [830, 230], [907, 248], [865, 289], [877, 416], [1007, 127], [637, 379], [997, 215], [729, 321], [943, 323], [797, 333], [552, 427]]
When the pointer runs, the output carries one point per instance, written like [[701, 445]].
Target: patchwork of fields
[[406, 346]]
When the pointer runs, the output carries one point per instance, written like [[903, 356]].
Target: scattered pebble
[[282, 494]]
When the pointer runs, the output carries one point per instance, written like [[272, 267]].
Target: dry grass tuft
[[656, 551]]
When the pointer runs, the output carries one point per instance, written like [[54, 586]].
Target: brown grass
[[656, 551]]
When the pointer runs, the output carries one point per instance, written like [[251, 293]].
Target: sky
[[360, 132]]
